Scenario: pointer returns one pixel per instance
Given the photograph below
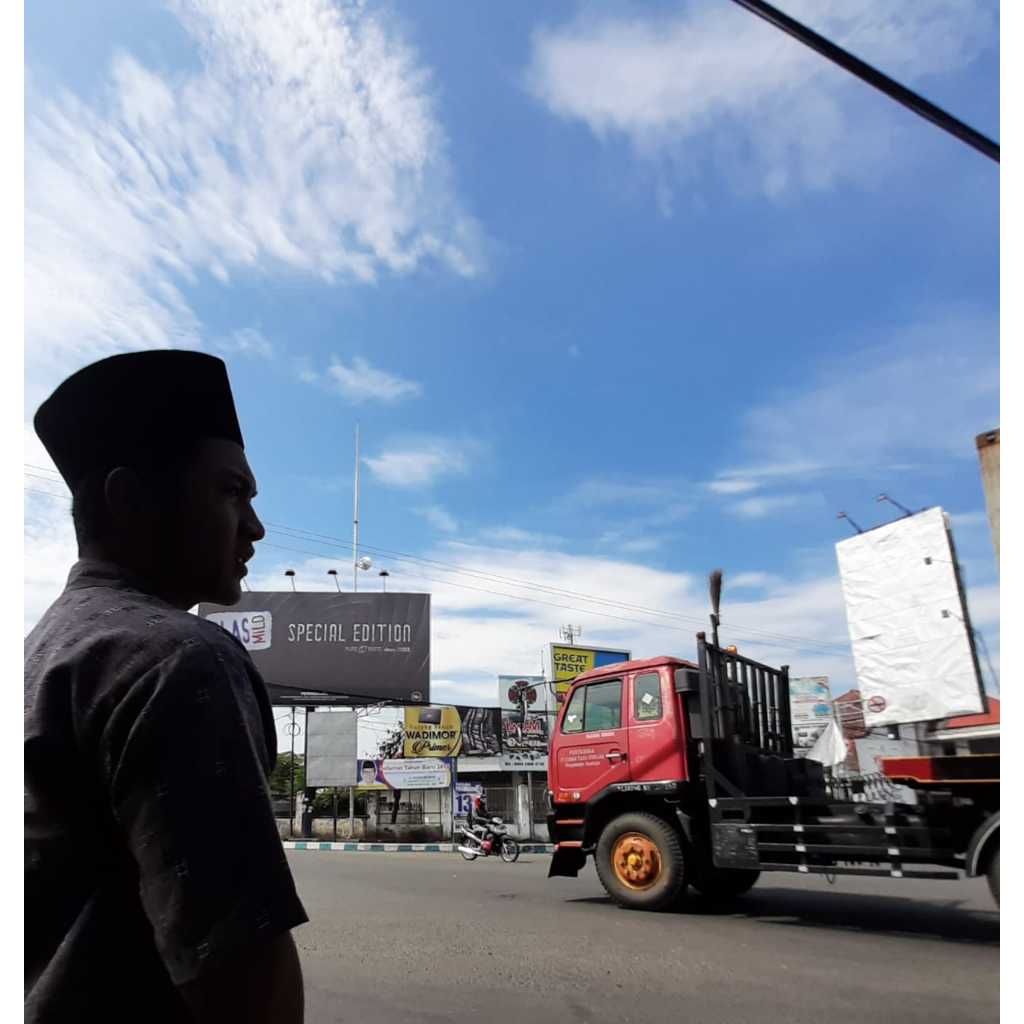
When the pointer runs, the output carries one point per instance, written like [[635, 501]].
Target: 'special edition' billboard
[[324, 648]]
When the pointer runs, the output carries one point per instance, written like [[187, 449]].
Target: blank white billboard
[[330, 748], [907, 621]]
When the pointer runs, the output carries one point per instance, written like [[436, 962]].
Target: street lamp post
[[384, 574]]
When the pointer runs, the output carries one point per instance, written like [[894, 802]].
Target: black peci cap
[[135, 409]]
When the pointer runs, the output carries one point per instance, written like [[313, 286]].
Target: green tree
[[280, 778]]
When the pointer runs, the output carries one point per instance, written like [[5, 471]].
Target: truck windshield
[[594, 707]]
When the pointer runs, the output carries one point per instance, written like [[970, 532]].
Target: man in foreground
[[156, 886]]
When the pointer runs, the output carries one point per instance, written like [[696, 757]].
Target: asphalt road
[[429, 938]]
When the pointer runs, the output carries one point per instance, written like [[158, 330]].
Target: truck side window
[[604, 706], [573, 720], [647, 697]]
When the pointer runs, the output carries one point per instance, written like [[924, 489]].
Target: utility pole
[[355, 522]]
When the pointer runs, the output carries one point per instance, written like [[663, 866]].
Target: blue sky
[[617, 293]]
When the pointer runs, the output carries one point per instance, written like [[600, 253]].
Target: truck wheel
[[640, 862], [725, 883], [992, 873]]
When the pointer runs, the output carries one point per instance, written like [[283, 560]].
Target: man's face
[[369, 774], [211, 532]]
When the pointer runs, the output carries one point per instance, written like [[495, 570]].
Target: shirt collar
[[93, 572]]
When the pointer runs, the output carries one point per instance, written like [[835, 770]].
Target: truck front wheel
[[639, 860]]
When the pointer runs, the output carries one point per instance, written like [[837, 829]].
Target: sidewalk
[[352, 847]]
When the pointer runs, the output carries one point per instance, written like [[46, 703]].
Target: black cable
[[49, 494], [988, 660], [900, 93], [785, 645], [47, 479], [750, 631]]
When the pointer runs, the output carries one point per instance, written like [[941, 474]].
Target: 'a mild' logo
[[252, 629]]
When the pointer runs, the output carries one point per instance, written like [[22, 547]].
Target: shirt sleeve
[[189, 790]]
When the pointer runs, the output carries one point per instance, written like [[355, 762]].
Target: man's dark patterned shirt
[[151, 850]]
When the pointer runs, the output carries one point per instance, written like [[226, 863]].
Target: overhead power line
[[49, 494], [866, 73], [750, 633], [738, 632], [550, 590]]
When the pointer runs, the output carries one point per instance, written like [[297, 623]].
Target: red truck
[[676, 775]]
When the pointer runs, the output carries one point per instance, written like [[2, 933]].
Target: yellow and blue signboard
[[569, 661]]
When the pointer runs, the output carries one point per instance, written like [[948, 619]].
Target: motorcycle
[[499, 842]]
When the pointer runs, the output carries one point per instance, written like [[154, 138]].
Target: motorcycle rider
[[480, 821]]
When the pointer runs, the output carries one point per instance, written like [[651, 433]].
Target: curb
[[313, 844]]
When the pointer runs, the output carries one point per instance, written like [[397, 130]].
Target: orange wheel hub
[[636, 861]]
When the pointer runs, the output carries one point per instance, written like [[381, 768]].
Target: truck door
[[656, 747], [592, 745]]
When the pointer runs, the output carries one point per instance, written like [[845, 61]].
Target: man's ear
[[125, 495]]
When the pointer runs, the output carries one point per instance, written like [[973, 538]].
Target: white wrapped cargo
[[908, 622]]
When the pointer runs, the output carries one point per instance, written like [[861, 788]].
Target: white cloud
[[483, 626], [439, 518], [307, 142], [50, 546], [418, 464], [903, 397], [758, 508], [969, 520], [303, 367], [753, 580], [246, 341], [602, 491], [715, 85], [504, 535], [361, 382], [728, 486]]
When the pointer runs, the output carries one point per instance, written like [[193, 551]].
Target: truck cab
[[620, 725]]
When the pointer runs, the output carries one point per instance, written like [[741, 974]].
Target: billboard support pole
[[291, 787], [351, 812], [335, 808], [529, 799]]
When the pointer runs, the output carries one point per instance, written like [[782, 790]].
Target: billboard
[[908, 622], [403, 773], [481, 731], [810, 707], [524, 721], [432, 732], [354, 648], [330, 748], [568, 662]]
